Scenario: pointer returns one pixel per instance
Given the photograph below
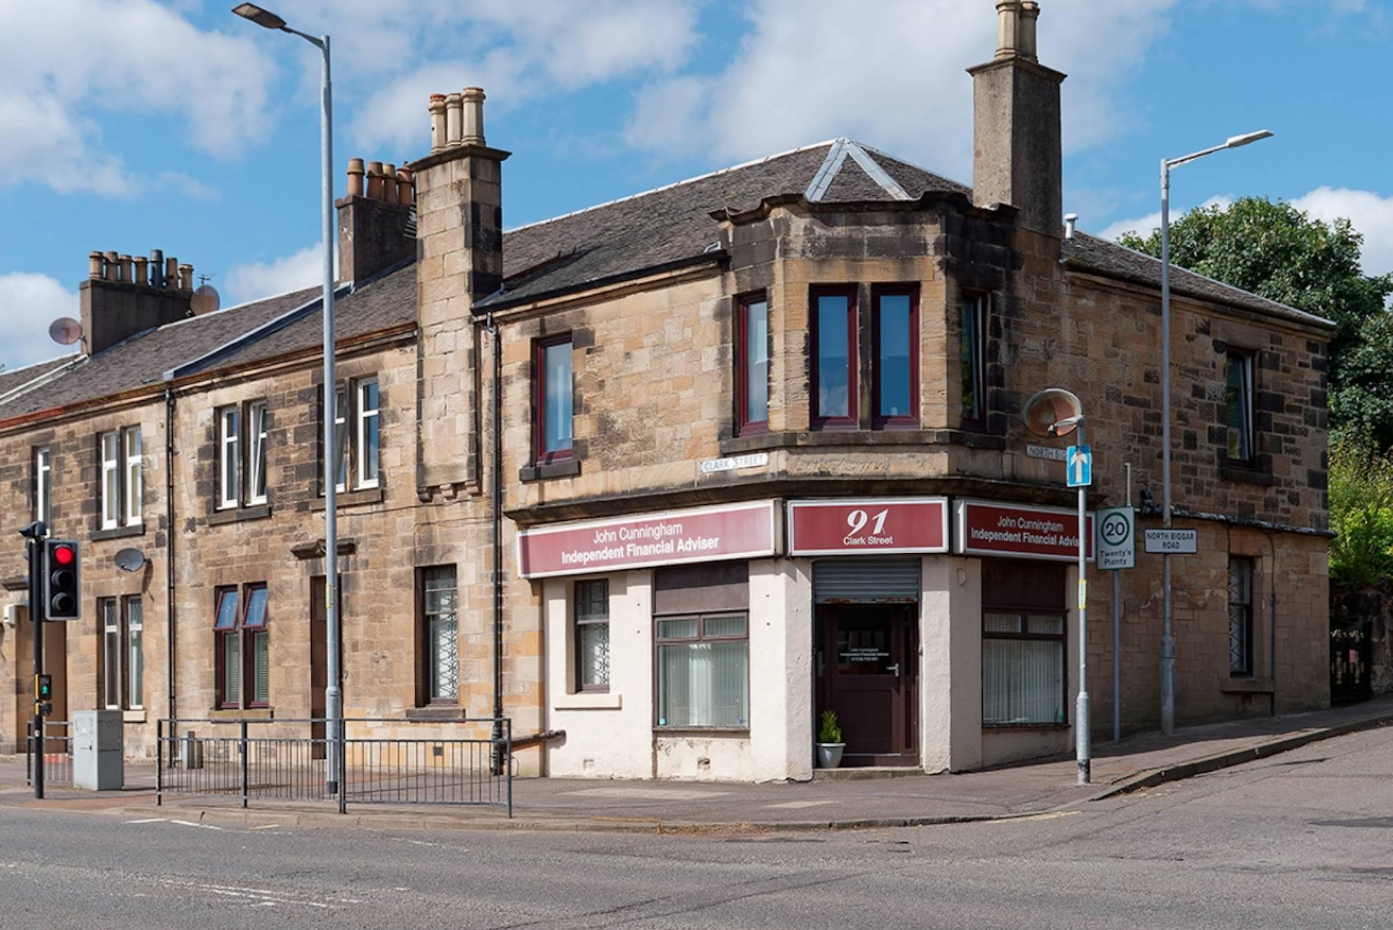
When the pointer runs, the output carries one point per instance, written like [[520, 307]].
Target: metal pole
[[499, 759], [333, 694], [1117, 657], [1084, 749], [36, 617], [1167, 639]]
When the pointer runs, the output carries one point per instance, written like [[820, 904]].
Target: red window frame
[[744, 425], [246, 653], [897, 421], [852, 418], [539, 413]]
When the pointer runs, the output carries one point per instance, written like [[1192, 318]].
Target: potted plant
[[829, 741]]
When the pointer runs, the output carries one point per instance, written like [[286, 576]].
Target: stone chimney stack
[[375, 220], [1016, 156], [459, 260], [114, 307]]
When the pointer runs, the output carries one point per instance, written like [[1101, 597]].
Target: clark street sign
[[1117, 538], [1175, 542]]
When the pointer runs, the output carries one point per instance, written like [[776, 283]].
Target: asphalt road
[[1303, 840]]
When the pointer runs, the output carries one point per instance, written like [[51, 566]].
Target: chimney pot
[[157, 267], [186, 277], [406, 187], [472, 99], [142, 270], [453, 117], [389, 183], [355, 177], [110, 270], [95, 262], [1008, 13], [125, 268], [171, 273], [437, 122], [374, 180], [1070, 219], [1025, 41]]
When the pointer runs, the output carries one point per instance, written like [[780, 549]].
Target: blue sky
[[136, 124]]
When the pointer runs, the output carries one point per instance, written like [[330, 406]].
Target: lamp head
[[256, 14], [1235, 141]]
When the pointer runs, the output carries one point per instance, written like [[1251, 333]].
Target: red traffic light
[[64, 555]]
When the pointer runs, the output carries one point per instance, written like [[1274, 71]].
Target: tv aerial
[[205, 299]]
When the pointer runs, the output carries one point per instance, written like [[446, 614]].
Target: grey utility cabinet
[[98, 750]]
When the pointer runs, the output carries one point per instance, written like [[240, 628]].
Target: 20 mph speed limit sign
[[1117, 538]]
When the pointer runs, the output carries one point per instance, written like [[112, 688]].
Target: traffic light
[[61, 580], [43, 694]]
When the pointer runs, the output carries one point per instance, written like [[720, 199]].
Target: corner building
[[744, 449]]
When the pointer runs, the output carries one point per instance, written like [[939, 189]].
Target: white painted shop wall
[[611, 734]]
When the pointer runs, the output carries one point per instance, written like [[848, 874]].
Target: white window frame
[[109, 445], [256, 453], [43, 484], [133, 485], [133, 613], [362, 414], [112, 653], [229, 457]]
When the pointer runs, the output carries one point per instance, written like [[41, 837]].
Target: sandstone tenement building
[[759, 455]]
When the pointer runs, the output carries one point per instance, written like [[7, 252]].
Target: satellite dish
[[130, 560], [65, 331], [1052, 412], [205, 300]]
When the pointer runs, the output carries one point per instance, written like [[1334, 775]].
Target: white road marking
[[794, 805], [201, 826], [151, 820]]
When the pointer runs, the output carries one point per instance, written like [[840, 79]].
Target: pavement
[[837, 799]]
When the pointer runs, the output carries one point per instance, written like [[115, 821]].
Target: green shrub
[[1361, 514], [829, 732]]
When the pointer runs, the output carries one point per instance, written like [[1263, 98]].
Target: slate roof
[[673, 224], [660, 228], [1113, 260]]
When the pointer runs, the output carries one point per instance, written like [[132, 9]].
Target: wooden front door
[[868, 660]]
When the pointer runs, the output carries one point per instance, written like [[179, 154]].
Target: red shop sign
[[703, 534], [868, 527], [1021, 532]]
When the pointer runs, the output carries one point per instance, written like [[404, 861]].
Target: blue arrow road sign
[[1080, 466]]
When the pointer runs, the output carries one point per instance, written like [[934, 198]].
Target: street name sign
[[1175, 542]]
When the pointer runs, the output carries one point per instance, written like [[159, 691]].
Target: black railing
[[57, 751], [458, 762]]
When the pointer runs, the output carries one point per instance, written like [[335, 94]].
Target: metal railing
[[58, 754], [461, 762]]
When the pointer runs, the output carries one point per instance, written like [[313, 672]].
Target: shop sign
[[704, 534], [869, 526], [1020, 531]]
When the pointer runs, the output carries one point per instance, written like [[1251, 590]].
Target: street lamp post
[[333, 695], [1167, 637]]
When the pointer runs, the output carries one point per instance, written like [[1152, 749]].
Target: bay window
[[895, 334], [752, 374], [834, 348]]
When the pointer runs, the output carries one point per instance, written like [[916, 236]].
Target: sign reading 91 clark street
[[868, 527], [702, 534], [1020, 531]]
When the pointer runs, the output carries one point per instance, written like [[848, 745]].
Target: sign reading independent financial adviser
[[1020, 531], [868, 527], [702, 534]]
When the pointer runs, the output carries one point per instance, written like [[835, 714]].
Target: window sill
[[120, 532], [133, 716], [677, 732], [1247, 474], [436, 712], [352, 498], [1019, 727], [1248, 686], [589, 700], [239, 515], [242, 713], [875, 437], [568, 468]]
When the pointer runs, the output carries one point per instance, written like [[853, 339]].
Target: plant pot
[[829, 755]]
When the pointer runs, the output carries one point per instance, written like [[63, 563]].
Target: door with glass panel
[[867, 662]]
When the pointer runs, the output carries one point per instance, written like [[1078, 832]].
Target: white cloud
[[256, 280], [796, 79], [1146, 225], [396, 53], [1370, 214], [28, 304], [85, 62]]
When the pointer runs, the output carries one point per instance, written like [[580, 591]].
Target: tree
[[1276, 251], [1361, 514]]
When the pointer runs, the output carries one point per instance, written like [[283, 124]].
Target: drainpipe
[[498, 757], [169, 544]]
